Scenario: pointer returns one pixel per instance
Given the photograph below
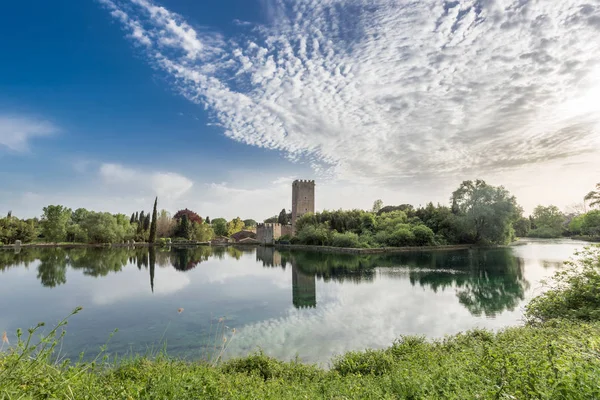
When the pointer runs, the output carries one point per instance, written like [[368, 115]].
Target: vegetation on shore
[[555, 355]]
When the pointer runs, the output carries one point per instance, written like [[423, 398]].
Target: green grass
[[552, 357]]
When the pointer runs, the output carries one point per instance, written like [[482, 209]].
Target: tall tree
[[54, 222], [548, 221], [283, 217], [185, 227], [137, 217], [152, 237], [377, 205], [235, 225], [140, 225], [219, 225], [487, 211], [132, 219], [207, 219], [147, 222], [594, 196]]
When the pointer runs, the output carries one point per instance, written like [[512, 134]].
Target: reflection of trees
[[304, 292], [184, 259], [52, 270], [487, 281]]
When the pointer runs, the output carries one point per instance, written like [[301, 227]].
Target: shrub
[[574, 293], [402, 236], [314, 235], [544, 232], [423, 235], [347, 239]]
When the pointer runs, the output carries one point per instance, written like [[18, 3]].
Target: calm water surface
[[287, 303]]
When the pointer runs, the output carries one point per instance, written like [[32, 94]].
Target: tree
[[54, 222], [202, 232], [271, 220], [283, 217], [488, 211], [140, 223], [79, 215], [594, 196], [165, 225], [522, 227], [219, 226], [235, 225], [132, 219], [152, 237], [184, 227], [192, 216], [208, 219], [377, 205], [249, 223], [147, 222], [548, 222]]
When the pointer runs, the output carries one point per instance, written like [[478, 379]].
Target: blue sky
[[218, 105]]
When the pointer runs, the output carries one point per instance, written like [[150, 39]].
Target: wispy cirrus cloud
[[390, 90], [17, 131]]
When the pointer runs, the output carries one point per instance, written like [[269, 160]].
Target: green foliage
[[202, 232], [522, 226], [283, 217], [54, 223], [249, 223], [234, 226], [423, 236], [152, 235], [488, 211], [219, 226], [591, 223], [271, 220], [548, 222], [574, 292], [556, 361], [13, 229], [594, 196], [106, 228], [314, 235], [347, 239], [184, 228], [377, 205]]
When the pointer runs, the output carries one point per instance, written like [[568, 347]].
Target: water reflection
[[486, 281]]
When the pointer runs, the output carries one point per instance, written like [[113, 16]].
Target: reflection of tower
[[303, 199], [304, 293]]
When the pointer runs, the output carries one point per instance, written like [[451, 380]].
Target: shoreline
[[323, 249]]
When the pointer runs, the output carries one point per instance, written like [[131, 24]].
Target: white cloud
[[164, 184], [393, 92], [16, 131]]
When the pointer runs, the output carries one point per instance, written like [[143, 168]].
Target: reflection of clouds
[[216, 271], [353, 317], [131, 282]]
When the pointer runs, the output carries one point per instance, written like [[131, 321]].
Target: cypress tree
[[152, 237], [184, 227], [140, 227], [137, 217], [132, 219], [208, 220], [147, 222]]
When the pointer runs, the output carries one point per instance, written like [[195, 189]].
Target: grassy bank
[[556, 355]]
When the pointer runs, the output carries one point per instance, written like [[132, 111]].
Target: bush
[[544, 232], [575, 291], [402, 236], [314, 235], [347, 239], [423, 235]]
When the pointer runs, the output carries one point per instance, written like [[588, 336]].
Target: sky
[[218, 105]]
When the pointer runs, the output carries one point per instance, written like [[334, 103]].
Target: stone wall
[[268, 233]]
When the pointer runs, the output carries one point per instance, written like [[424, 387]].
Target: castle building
[[303, 199]]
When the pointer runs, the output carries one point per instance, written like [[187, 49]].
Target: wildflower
[[5, 338], [180, 310]]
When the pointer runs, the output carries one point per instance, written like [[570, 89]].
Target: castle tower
[[303, 199]]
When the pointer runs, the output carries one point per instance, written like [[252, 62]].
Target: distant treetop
[[192, 216]]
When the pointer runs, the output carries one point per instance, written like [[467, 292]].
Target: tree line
[[477, 213], [60, 224]]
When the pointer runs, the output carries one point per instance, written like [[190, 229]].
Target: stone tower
[[303, 199]]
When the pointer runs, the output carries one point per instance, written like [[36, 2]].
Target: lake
[[288, 303]]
